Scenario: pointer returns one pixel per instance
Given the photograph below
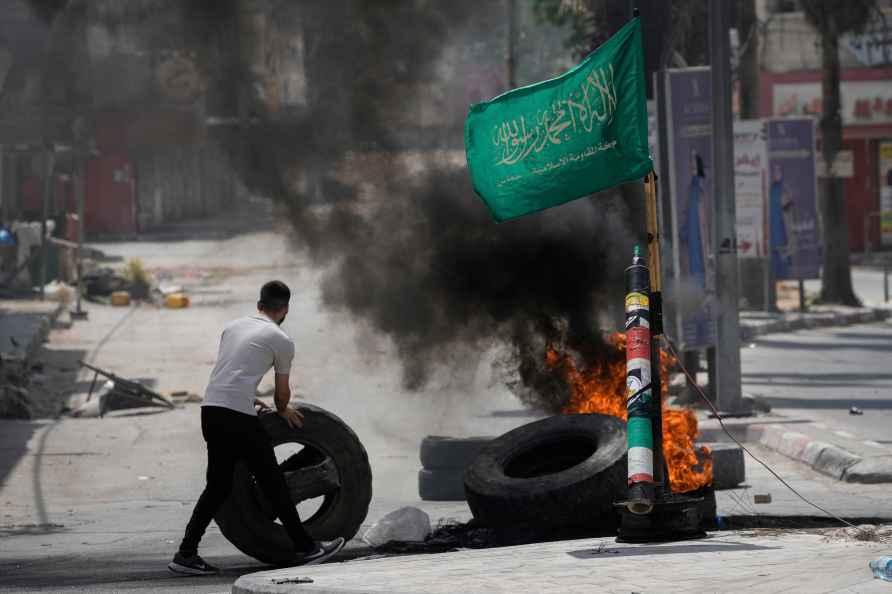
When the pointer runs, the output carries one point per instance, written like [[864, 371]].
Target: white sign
[[863, 101], [750, 163], [885, 162], [874, 46], [843, 165]]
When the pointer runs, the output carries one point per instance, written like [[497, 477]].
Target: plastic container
[[176, 301], [120, 298], [882, 568]]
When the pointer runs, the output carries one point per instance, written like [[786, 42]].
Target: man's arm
[[282, 398]]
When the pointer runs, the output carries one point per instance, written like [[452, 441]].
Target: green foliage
[[136, 272]]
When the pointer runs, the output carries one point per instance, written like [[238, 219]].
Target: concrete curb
[[817, 319], [824, 457], [36, 331]]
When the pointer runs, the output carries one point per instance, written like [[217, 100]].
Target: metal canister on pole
[[639, 389]]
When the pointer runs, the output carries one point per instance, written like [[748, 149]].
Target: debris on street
[[406, 524]]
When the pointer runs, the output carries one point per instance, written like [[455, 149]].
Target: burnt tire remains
[[560, 473], [333, 464]]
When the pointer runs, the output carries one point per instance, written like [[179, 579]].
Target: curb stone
[[870, 470], [818, 319]]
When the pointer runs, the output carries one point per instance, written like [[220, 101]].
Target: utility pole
[[727, 387], [511, 63]]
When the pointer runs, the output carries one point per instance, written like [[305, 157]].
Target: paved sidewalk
[[25, 325], [759, 561], [834, 453], [758, 323]]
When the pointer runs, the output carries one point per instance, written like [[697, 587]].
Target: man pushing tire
[[249, 347]]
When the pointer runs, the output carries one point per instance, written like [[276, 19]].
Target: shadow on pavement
[[665, 549], [120, 572], [862, 343], [828, 403]]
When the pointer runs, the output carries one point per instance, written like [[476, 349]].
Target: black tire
[[563, 472], [445, 484], [450, 452], [242, 518]]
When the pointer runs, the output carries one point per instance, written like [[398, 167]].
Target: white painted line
[[845, 434], [874, 444]]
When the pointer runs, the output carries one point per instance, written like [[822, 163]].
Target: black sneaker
[[324, 550], [191, 565]]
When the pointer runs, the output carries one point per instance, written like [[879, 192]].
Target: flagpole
[[661, 477]]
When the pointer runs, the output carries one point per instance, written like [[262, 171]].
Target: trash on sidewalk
[[58, 291], [406, 524], [762, 498], [176, 301], [855, 411], [181, 396], [294, 580], [120, 298], [117, 389], [15, 400], [168, 289], [882, 568]]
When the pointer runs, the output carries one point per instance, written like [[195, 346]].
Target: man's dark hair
[[274, 295]]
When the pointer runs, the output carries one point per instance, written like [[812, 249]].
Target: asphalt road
[[820, 374], [98, 505]]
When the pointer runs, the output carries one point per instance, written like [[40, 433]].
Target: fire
[[602, 389]]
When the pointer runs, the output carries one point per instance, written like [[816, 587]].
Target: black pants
[[232, 436]]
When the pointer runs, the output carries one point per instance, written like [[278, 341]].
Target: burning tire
[[333, 467], [561, 472]]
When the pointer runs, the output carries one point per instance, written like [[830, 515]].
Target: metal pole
[[512, 43], [79, 188], [728, 395], [801, 295], [656, 324], [885, 281], [47, 190]]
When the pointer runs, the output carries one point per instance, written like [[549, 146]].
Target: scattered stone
[[406, 524]]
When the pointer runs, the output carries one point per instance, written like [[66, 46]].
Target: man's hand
[[292, 416], [263, 405]]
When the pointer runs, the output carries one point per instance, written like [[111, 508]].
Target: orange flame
[[602, 389]]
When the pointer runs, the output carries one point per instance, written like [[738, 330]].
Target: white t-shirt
[[248, 348]]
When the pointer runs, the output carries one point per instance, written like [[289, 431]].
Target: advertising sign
[[885, 162], [793, 231], [750, 161], [690, 180]]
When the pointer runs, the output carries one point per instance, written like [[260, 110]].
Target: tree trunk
[[749, 61], [836, 276]]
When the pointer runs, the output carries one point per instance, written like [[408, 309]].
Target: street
[[98, 505]]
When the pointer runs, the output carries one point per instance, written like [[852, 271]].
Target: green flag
[[561, 139]]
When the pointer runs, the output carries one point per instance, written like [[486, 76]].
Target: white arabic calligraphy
[[594, 101], [588, 153]]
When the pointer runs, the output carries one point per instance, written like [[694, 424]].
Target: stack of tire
[[443, 464]]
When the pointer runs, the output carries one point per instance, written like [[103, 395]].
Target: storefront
[[867, 132]]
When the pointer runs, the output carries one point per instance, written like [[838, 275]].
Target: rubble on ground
[[406, 524], [15, 378]]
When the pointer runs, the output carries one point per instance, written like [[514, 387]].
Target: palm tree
[[832, 19]]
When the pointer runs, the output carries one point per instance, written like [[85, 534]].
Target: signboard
[[885, 162], [843, 165], [750, 162], [793, 234], [873, 47], [863, 101], [689, 130]]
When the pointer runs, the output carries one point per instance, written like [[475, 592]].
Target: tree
[[832, 19]]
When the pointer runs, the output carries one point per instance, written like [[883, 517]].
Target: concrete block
[[813, 451], [834, 461], [870, 470], [728, 466], [792, 444]]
